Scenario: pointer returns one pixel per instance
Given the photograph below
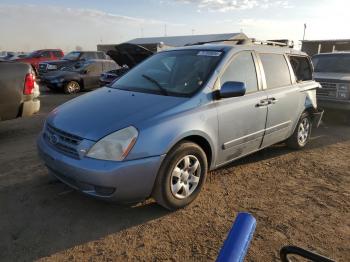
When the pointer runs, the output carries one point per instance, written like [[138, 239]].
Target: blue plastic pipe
[[238, 240]]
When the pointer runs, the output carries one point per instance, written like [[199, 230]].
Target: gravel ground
[[298, 197]]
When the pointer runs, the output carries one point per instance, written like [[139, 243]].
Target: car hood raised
[[332, 76], [99, 113]]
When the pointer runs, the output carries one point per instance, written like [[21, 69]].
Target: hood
[[129, 54], [106, 110], [340, 77]]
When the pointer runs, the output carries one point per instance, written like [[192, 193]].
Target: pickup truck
[[39, 56], [19, 91]]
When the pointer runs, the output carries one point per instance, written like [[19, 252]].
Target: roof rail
[[238, 40], [262, 42], [242, 41]]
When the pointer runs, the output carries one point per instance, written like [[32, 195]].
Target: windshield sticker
[[209, 53]]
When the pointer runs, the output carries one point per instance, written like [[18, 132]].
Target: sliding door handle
[[273, 100], [262, 103]]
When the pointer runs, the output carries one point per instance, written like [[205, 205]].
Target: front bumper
[[52, 85], [125, 182], [334, 104]]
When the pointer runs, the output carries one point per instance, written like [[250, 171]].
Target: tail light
[[29, 84]]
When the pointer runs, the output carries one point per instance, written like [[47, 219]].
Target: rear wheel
[[72, 87], [181, 176], [302, 132]]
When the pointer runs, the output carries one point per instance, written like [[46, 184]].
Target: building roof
[[177, 41]]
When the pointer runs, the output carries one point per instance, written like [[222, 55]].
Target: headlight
[[51, 67], [116, 146]]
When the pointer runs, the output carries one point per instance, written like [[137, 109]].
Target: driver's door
[[241, 119]]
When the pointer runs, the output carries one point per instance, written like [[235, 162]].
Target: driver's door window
[[242, 69]]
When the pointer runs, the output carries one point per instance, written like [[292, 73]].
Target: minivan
[[159, 129]]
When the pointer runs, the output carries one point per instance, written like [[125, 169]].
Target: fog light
[[104, 191]]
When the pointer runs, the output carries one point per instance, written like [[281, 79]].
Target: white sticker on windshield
[[209, 53]]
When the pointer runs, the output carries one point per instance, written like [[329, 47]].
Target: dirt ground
[[298, 197]]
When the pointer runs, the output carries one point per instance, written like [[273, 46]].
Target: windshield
[[339, 63], [177, 73], [72, 56]]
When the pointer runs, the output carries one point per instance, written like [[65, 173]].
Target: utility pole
[[304, 32]]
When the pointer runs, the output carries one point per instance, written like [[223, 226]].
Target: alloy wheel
[[303, 131], [185, 177]]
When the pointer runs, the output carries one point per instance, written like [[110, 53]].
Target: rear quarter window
[[302, 68], [276, 70]]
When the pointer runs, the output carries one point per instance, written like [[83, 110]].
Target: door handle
[[273, 100], [263, 103]]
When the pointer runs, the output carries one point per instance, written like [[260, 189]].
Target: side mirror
[[232, 89]]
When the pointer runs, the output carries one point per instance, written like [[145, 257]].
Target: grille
[[329, 85], [62, 141], [42, 67], [328, 89]]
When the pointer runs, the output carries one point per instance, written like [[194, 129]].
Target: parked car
[[110, 76], [18, 91], [11, 56], [162, 126], [127, 56], [70, 60], [332, 71], [39, 56], [82, 76]]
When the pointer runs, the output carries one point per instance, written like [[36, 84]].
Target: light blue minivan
[[160, 128]]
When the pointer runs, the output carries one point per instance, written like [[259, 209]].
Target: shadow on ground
[[39, 219]]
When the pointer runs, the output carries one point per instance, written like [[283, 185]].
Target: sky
[[26, 25]]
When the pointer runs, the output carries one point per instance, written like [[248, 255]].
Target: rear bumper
[[30, 107], [127, 181]]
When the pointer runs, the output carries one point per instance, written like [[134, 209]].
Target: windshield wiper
[[162, 89]]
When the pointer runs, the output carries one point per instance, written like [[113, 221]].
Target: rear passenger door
[[241, 119], [283, 97]]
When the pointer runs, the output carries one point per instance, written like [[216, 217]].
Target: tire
[[71, 87], [175, 187], [302, 132]]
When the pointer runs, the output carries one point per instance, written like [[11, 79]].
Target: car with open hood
[[127, 56], [159, 129]]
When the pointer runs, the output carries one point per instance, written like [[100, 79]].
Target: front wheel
[[72, 87], [181, 176], [302, 132]]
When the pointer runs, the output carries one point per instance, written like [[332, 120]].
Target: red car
[[39, 56]]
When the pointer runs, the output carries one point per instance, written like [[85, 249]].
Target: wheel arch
[[201, 140]]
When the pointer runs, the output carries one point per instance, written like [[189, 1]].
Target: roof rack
[[243, 41]]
